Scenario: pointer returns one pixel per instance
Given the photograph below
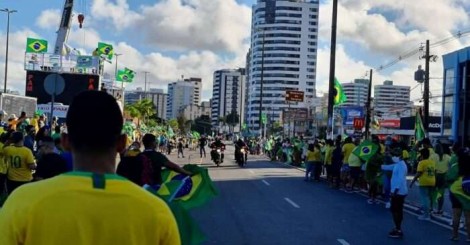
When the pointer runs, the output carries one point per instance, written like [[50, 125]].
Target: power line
[[414, 51]]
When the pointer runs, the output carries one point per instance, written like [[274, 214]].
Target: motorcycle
[[242, 156], [217, 155]]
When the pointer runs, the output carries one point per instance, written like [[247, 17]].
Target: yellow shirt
[[328, 154], [382, 148], [34, 123], [3, 165], [133, 153], [76, 208], [442, 166], [18, 160], [428, 168], [405, 154], [347, 150], [313, 156]]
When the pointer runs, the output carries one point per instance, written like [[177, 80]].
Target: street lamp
[[261, 85], [115, 78], [145, 85], [8, 11]]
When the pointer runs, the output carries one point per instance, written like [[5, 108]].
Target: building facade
[[356, 92], [392, 99], [180, 94], [283, 55], [191, 112], [228, 95], [157, 96]]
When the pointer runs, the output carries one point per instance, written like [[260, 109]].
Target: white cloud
[[49, 19], [118, 13]]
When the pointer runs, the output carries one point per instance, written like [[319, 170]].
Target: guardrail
[[64, 64]]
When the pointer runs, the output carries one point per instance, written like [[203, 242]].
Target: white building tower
[[284, 42]]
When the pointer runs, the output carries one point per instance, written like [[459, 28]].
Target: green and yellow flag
[[34, 45], [365, 150], [189, 191], [106, 49], [419, 129], [126, 75], [340, 96]]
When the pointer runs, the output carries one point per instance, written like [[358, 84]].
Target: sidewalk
[[412, 201]]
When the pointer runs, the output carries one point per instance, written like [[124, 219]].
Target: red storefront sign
[[390, 123]]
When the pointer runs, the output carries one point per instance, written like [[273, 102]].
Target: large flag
[[190, 233], [196, 135], [365, 150], [126, 75], [340, 96], [34, 45], [106, 49], [419, 129], [170, 132], [189, 191]]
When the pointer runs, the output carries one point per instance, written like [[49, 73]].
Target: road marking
[[291, 202], [266, 182], [251, 171], [343, 242]]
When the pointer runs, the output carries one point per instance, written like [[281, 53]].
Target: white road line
[[291, 202], [343, 242], [251, 171], [265, 182]]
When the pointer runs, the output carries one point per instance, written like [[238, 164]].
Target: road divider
[[291, 202]]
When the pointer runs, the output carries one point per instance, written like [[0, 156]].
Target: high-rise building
[[356, 92], [197, 82], [228, 95], [192, 112], [180, 94], [157, 96], [391, 98], [283, 55]]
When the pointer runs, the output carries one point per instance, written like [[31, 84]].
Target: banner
[[60, 111]]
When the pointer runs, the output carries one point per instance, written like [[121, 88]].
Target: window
[[312, 29], [312, 43], [310, 69], [312, 36], [313, 10]]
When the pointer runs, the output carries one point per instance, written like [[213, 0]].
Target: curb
[[409, 206]]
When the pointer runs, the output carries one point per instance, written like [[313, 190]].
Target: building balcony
[[62, 64]]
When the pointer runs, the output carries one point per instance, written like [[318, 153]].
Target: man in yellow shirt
[[91, 205], [20, 162], [426, 174], [3, 166]]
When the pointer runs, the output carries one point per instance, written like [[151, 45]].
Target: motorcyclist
[[217, 144], [238, 146]]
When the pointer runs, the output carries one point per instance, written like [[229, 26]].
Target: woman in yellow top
[[426, 173], [442, 166], [313, 161], [328, 160]]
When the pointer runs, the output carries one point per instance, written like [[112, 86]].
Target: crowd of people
[[436, 169]]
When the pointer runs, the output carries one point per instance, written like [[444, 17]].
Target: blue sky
[[171, 38]]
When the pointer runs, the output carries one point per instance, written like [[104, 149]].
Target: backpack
[[466, 185]]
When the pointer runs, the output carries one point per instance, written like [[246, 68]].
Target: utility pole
[[8, 11], [331, 89], [426, 90], [368, 106], [145, 86]]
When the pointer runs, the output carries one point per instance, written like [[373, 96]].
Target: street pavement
[[269, 203]]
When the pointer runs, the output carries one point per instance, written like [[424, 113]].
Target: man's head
[[83, 136], [426, 143], [149, 141], [17, 138], [2, 114]]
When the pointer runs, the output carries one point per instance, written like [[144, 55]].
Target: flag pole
[[173, 195]]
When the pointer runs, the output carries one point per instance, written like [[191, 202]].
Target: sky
[[193, 38]]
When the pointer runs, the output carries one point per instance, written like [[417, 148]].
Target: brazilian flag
[[126, 75], [196, 135], [365, 150], [106, 49], [34, 45], [340, 96], [189, 191]]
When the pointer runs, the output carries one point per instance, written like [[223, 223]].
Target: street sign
[[294, 96], [358, 123], [54, 84]]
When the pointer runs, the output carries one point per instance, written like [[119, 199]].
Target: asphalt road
[[269, 203]]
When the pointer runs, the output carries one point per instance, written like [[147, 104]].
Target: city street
[[269, 203]]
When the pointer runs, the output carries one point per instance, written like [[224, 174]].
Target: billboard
[[294, 96], [349, 113], [390, 123], [294, 114], [74, 84], [434, 125]]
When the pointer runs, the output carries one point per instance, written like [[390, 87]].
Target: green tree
[[232, 119], [181, 124], [202, 125], [173, 123]]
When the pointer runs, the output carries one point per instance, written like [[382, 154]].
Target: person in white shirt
[[399, 189]]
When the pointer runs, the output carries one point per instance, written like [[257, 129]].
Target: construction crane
[[64, 27]]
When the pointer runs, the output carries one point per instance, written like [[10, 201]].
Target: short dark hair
[[83, 135], [148, 140], [16, 137], [424, 153]]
